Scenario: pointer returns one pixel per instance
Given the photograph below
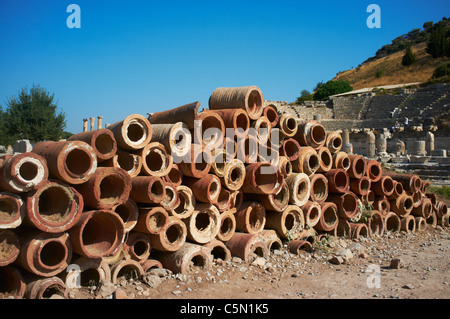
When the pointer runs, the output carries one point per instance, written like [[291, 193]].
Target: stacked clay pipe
[[175, 190]]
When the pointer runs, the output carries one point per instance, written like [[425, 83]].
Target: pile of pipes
[[183, 187]]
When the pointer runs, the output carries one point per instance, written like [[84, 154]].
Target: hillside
[[385, 67], [389, 70]]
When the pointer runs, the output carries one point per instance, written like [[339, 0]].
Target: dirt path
[[425, 273]]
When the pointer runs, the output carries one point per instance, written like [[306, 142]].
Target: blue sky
[[146, 56]]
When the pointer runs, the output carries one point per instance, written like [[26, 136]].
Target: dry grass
[[393, 72]]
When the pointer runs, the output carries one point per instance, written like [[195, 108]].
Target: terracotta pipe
[[236, 121], [431, 196], [421, 224], [249, 98], [296, 246], [171, 237], [346, 203], [287, 224], [203, 224], [23, 172], [275, 202], [175, 138], [85, 272], [227, 225], [151, 220], [247, 246], [233, 175], [424, 210], [150, 264], [137, 246], [328, 220], [359, 230], [205, 189], [290, 149], [198, 164], [343, 229], [72, 162], [312, 212], [188, 259], [98, 233], [12, 210], [251, 217], [411, 183], [311, 133], [384, 186], [402, 205], [155, 160], [267, 154], [432, 219], [369, 198], [126, 268], [102, 142], [147, 189], [237, 198], [54, 207], [187, 203], [219, 250], [271, 240], [186, 113], [417, 198], [115, 257], [45, 254], [224, 201], [373, 170], [424, 186], [262, 128], [408, 224], [132, 133], [375, 223], [334, 142], [9, 246], [171, 200], [299, 188], [357, 167], [392, 222], [209, 130], [360, 186], [288, 125], [398, 190], [262, 178], [107, 187], [382, 205], [308, 234], [270, 112], [319, 188], [219, 160], [131, 163], [338, 181], [174, 176], [325, 159], [12, 282], [308, 161], [441, 208], [247, 149], [284, 166], [44, 288], [128, 212], [341, 161]]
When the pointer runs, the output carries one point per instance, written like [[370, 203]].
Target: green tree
[[441, 70], [32, 115], [305, 95], [438, 45], [409, 57], [332, 88]]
